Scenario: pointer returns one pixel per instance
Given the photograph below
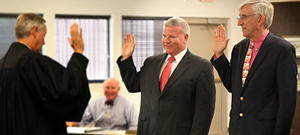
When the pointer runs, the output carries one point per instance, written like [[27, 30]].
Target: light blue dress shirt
[[121, 116]]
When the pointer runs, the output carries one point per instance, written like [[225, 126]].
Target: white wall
[[116, 9]]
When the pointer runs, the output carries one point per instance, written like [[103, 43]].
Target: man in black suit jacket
[[186, 104], [263, 103]]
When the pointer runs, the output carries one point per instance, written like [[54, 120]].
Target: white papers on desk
[[83, 129]]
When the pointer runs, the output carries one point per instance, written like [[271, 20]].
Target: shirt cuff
[[215, 57]]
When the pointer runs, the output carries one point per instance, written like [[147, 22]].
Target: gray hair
[[261, 7], [176, 21], [25, 22]]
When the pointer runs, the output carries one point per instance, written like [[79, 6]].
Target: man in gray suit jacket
[[264, 86], [185, 105]]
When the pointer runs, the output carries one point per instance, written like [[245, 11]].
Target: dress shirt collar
[[178, 57], [257, 43]]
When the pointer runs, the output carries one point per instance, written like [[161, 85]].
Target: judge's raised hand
[[76, 40], [128, 46], [220, 42]]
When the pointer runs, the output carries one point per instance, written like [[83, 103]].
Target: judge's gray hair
[[176, 21], [261, 7], [25, 22]]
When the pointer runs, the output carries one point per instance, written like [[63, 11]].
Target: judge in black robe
[[37, 94]]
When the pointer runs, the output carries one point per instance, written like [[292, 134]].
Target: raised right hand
[[76, 40], [220, 42], [128, 46]]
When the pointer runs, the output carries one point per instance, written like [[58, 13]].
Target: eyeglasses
[[244, 16]]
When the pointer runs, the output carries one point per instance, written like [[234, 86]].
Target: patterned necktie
[[166, 73], [246, 65]]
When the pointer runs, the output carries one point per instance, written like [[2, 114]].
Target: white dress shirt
[[178, 58]]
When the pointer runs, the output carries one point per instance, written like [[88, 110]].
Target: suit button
[[241, 114], [241, 98], [158, 117]]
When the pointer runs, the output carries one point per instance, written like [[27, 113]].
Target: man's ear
[[262, 20], [186, 37], [34, 31]]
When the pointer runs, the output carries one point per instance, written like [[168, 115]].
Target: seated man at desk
[[112, 112]]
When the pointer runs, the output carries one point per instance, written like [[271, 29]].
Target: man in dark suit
[[261, 74], [185, 105]]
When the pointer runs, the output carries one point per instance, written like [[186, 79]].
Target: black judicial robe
[[37, 94]]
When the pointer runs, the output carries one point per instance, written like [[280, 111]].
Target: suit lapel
[[179, 70], [263, 51]]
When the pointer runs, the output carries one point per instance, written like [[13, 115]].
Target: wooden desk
[[103, 132], [106, 132]]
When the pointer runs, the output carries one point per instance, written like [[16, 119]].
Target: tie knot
[[251, 46], [171, 59]]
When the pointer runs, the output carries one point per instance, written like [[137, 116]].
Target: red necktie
[[166, 73]]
